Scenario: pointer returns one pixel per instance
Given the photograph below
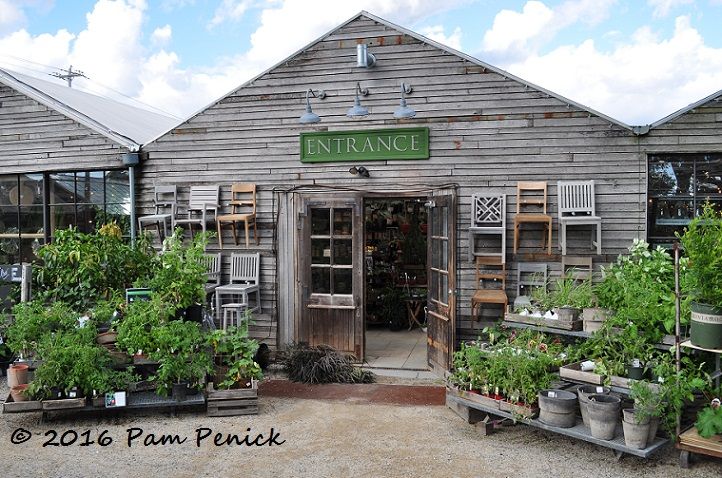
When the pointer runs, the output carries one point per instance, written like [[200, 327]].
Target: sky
[[634, 60]]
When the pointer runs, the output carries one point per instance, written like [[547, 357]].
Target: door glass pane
[[9, 248], [436, 223], [444, 220], [342, 221], [320, 222], [89, 187], [436, 254], [342, 252], [61, 217], [9, 219], [87, 217], [320, 280], [709, 177], [434, 285], [320, 251], [31, 219], [7, 184], [444, 288], [342, 281]]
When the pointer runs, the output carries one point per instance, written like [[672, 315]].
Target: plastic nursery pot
[[635, 373], [558, 408], [17, 374], [603, 411], [584, 392], [706, 326], [635, 434], [180, 391], [18, 393]]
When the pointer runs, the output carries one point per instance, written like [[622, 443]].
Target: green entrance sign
[[367, 145]]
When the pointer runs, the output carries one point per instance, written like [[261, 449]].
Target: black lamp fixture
[[358, 111], [359, 171], [309, 116]]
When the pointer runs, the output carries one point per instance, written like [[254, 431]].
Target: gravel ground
[[322, 439]]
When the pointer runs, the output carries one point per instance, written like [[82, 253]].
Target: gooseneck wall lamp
[[403, 111], [309, 116], [358, 111]]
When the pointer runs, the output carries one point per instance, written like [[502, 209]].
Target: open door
[[441, 314], [331, 274]]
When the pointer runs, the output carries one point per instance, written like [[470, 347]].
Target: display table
[[579, 431]]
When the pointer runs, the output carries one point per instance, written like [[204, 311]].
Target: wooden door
[[441, 314], [331, 274]]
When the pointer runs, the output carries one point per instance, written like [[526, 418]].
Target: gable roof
[[422, 39], [124, 124], [685, 110]]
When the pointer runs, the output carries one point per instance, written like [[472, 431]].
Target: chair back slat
[[213, 267], [576, 198], [488, 211], [538, 188], [245, 268], [243, 195], [202, 195]]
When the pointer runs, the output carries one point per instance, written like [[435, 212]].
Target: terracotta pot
[[17, 374], [18, 393]]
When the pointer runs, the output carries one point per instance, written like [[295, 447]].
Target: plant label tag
[[587, 365], [600, 389], [116, 399], [552, 395], [636, 363]]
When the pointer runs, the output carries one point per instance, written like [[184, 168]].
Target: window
[[678, 186], [31, 202], [331, 251]]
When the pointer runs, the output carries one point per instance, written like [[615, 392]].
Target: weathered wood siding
[[697, 131], [486, 133], [35, 138]]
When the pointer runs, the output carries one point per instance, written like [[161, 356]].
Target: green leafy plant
[[709, 420], [236, 351], [80, 269], [139, 319], [33, 321], [702, 242], [648, 400], [179, 279], [181, 355]]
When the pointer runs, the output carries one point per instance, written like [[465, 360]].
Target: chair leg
[[255, 232], [220, 235], [599, 239], [516, 236], [563, 238], [549, 239], [235, 236], [245, 223]]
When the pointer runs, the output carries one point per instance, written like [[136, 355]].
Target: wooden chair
[[577, 208], [528, 277], [165, 197], [488, 217], [243, 196], [244, 280], [202, 207], [484, 295], [542, 217], [578, 267]]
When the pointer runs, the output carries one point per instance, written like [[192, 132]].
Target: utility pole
[[68, 75]]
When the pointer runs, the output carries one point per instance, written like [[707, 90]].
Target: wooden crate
[[574, 372], [542, 322], [11, 406], [224, 403], [483, 400], [63, 404], [526, 411]]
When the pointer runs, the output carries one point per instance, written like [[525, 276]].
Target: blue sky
[[635, 60]]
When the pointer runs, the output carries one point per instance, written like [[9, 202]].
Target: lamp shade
[[404, 111]]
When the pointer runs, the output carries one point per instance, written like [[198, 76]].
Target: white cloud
[[437, 33], [161, 36], [661, 8], [10, 16], [229, 10], [638, 82]]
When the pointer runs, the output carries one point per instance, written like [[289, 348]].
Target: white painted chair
[[488, 217], [164, 199], [235, 312], [577, 208], [244, 280], [528, 277], [203, 205], [213, 272]]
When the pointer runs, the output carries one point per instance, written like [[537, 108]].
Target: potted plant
[[648, 406], [182, 357], [235, 356], [702, 243], [709, 420], [139, 319]]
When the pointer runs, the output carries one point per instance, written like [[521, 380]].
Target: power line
[[69, 75]]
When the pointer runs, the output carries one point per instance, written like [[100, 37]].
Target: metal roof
[[126, 125], [685, 110], [422, 39]]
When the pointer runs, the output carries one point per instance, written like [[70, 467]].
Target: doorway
[[395, 279]]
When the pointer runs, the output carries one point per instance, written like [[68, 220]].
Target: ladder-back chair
[[244, 280], [494, 270], [243, 202], [202, 207], [523, 202]]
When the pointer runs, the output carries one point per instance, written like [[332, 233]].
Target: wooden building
[[336, 191], [64, 160]]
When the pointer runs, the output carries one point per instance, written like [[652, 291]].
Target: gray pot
[[653, 426], [558, 408], [635, 434], [584, 392], [603, 411]]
